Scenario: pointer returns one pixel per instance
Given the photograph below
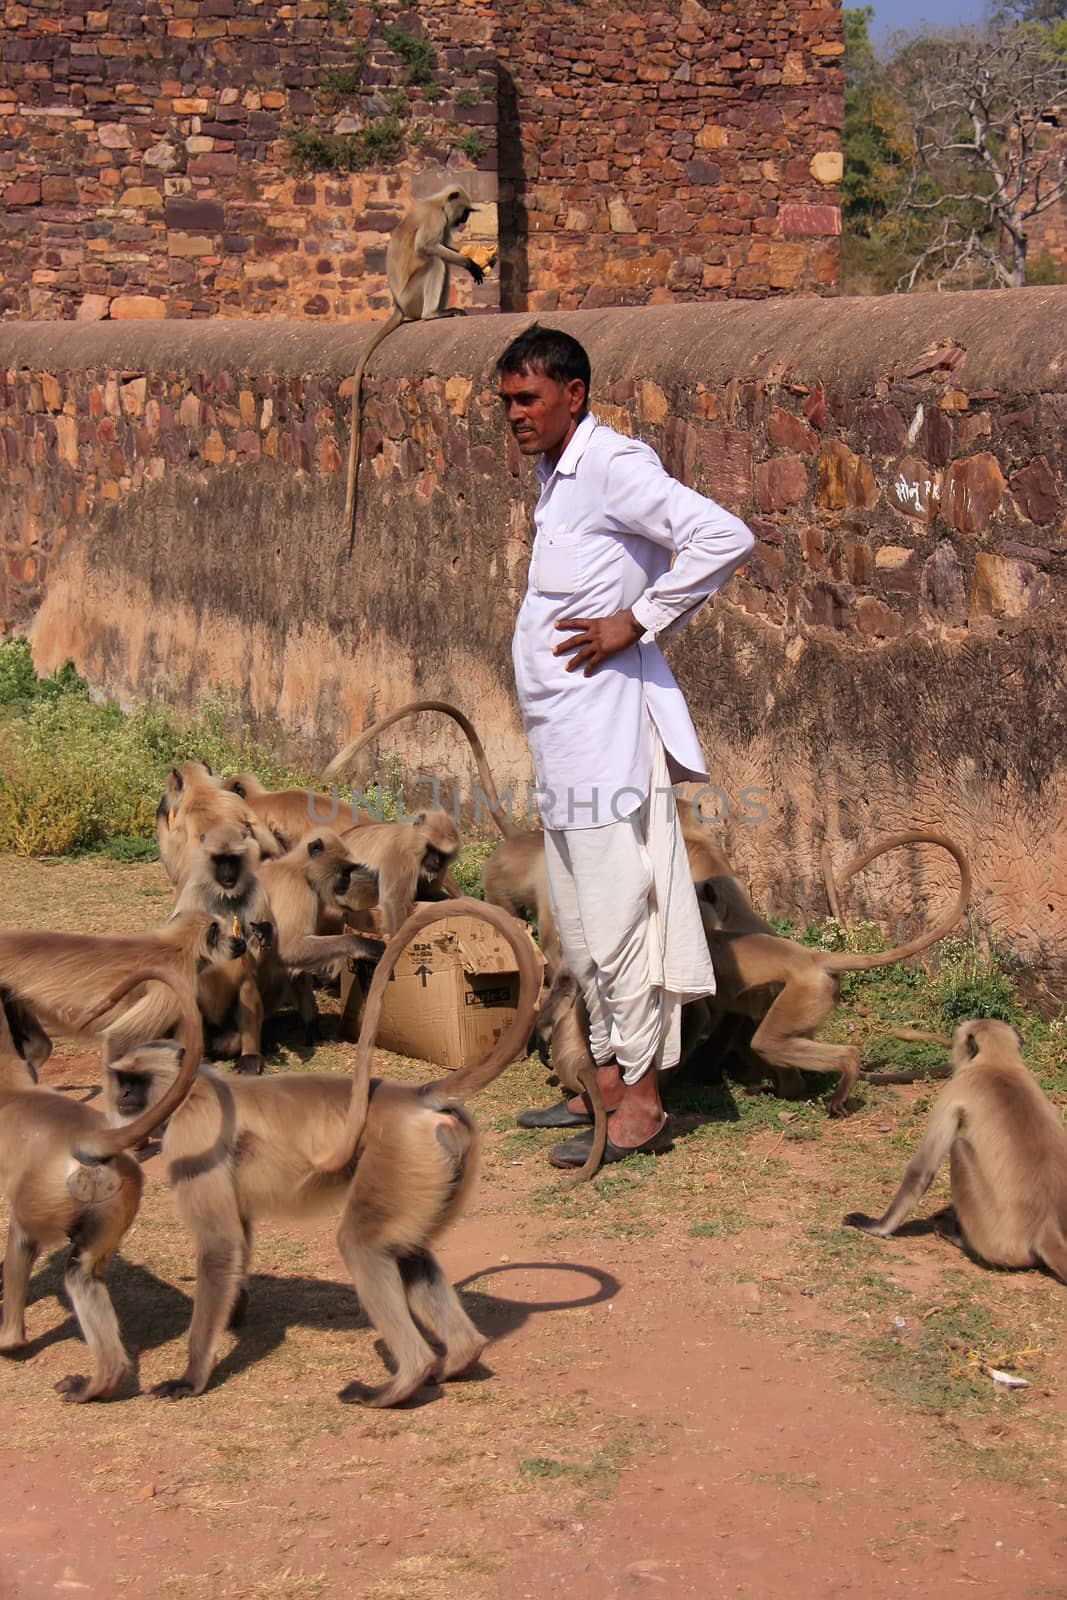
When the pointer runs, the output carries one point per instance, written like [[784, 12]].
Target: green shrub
[[971, 983], [473, 145], [18, 681], [416, 52]]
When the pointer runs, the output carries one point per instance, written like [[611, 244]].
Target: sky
[[892, 15]]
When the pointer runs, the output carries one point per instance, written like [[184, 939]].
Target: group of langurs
[[269, 894]]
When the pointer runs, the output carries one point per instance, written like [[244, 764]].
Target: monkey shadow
[[696, 1100], [278, 1304], [499, 1315], [153, 1311], [941, 1225], [284, 1036]]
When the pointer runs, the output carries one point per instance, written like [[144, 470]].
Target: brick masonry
[[889, 656], [672, 152]]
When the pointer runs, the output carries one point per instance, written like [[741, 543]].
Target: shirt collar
[[567, 465]]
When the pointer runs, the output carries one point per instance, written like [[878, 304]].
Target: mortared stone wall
[[891, 656], [650, 154]]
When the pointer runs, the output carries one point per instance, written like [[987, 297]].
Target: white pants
[[630, 928]]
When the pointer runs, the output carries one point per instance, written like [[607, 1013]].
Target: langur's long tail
[[458, 1085], [98, 1147]]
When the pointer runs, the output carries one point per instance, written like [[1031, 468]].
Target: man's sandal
[[557, 1116], [575, 1153]]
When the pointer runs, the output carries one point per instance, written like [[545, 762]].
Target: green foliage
[[973, 984], [472, 144], [467, 869], [940, 162], [77, 775], [382, 140], [416, 52], [336, 11], [874, 145], [1045, 270], [375, 144], [467, 98], [18, 680], [344, 81]]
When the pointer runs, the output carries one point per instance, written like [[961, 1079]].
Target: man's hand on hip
[[599, 639]]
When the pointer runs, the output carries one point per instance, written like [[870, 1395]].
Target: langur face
[[541, 412]]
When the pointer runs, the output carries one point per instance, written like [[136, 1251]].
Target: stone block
[[137, 308], [1034, 489], [651, 402], [974, 492], [812, 220], [876, 620], [780, 483], [114, 135], [915, 491], [844, 479], [1005, 587], [26, 192], [943, 589], [886, 430], [827, 166], [726, 454], [787, 432]]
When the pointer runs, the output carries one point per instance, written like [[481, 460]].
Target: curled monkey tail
[[510, 1045], [109, 1142], [866, 963], [356, 438], [345, 757]]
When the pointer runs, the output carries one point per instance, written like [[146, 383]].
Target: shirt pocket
[[559, 565]]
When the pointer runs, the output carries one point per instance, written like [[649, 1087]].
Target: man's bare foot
[[638, 1113], [634, 1124], [611, 1088]]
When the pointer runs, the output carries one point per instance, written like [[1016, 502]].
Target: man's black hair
[[547, 350]]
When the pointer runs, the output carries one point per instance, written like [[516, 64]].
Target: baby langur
[[220, 878], [417, 263], [1007, 1150], [317, 878], [397, 1161], [65, 1174]]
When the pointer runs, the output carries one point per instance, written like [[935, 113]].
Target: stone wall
[[891, 656], [672, 152], [1047, 232]]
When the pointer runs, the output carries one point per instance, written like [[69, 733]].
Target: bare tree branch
[[983, 110]]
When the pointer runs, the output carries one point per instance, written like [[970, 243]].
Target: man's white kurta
[[608, 524]]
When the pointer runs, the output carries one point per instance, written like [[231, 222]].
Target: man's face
[[541, 413]]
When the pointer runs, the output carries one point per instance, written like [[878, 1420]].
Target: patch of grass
[[18, 680], [468, 98], [472, 145], [416, 52], [376, 144], [936, 1362], [971, 983], [79, 775], [345, 81], [467, 869]]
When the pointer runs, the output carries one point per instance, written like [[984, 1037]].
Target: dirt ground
[[699, 1383]]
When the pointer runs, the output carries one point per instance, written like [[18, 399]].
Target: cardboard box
[[452, 993]]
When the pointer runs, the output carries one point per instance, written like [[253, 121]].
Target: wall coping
[[850, 342]]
